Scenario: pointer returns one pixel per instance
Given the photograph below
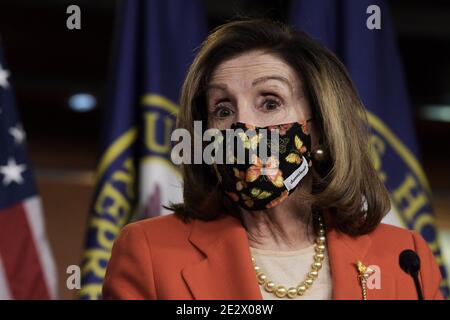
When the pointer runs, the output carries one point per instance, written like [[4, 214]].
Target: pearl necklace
[[281, 291]]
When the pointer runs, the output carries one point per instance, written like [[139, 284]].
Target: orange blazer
[[165, 258]]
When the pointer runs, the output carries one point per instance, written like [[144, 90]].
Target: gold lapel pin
[[364, 274]]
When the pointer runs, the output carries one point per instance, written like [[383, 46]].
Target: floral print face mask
[[262, 182]]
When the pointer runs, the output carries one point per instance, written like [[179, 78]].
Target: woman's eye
[[271, 104], [222, 112]]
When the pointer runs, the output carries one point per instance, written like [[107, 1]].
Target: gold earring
[[319, 154]]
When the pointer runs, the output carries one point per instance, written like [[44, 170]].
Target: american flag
[[27, 269]]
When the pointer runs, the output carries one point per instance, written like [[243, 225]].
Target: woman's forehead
[[252, 66]]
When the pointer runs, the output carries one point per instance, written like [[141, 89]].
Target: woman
[[245, 234]]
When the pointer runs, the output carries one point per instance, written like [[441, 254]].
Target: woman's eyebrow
[[219, 86], [224, 87], [278, 78]]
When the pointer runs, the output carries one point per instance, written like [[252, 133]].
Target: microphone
[[410, 263]]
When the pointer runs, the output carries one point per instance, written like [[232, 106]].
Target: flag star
[[18, 133], [4, 74], [12, 172]]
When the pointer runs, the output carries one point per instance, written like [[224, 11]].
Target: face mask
[[262, 182]]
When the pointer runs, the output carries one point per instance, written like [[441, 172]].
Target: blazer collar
[[227, 270]]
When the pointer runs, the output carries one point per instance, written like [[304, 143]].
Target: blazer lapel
[[227, 270], [344, 252]]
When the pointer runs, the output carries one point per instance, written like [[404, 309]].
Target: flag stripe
[[33, 209], [5, 292], [20, 258]]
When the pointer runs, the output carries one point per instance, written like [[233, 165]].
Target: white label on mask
[[292, 181]]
